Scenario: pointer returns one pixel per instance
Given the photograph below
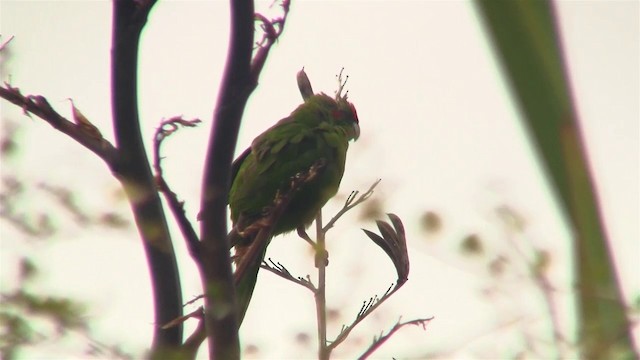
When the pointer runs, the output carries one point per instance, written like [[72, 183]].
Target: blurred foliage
[[29, 317], [497, 266], [38, 223], [21, 309], [472, 245], [527, 305], [31, 218], [8, 144], [32, 224], [372, 209], [528, 45]]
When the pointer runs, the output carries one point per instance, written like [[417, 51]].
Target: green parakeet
[[318, 130]]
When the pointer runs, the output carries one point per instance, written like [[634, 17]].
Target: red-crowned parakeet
[[318, 130]]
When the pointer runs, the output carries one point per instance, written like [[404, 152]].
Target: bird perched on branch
[[315, 136]]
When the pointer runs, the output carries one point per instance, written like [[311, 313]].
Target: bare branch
[[39, 106], [134, 172], [378, 341], [216, 273], [240, 79], [283, 272]]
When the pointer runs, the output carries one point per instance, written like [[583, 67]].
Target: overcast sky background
[[438, 126]]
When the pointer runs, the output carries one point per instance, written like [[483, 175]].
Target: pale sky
[[438, 126]]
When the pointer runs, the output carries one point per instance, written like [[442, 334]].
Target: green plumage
[[319, 129]]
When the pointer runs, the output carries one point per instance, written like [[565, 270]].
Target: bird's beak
[[356, 131]]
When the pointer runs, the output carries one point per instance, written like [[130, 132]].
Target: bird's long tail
[[248, 259]]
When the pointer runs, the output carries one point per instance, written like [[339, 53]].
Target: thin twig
[[166, 128], [272, 31], [377, 342], [195, 298], [367, 308], [282, 271], [352, 201], [179, 320]]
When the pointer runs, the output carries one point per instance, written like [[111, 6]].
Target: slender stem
[[166, 128], [321, 300], [352, 202]]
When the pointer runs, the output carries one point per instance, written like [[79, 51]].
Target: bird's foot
[[322, 258], [302, 232]]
